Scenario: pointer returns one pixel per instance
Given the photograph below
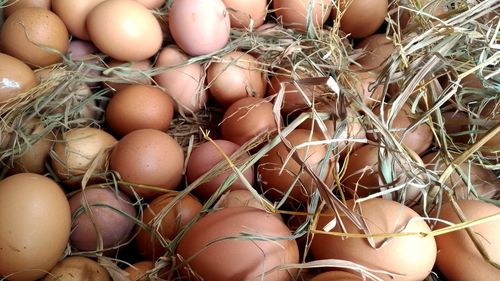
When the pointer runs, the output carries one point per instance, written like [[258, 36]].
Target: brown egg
[[78, 150], [277, 182], [138, 271], [29, 33], [236, 75], [361, 18], [36, 154], [405, 16], [151, 4], [239, 198], [199, 27], [362, 174], [350, 129], [418, 139], [294, 13], [183, 82], [378, 48], [456, 125], [246, 119], [11, 6], [411, 256], [363, 84], [139, 107], [468, 181], [217, 240], [337, 276], [81, 50], [205, 157], [170, 223], [458, 258], [74, 14], [148, 157], [35, 228], [246, 14], [125, 30], [76, 268], [101, 213], [122, 74], [15, 77]]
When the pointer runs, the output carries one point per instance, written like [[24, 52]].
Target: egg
[[278, 177], [363, 174], [15, 77], [125, 30], [151, 4], [234, 76], [247, 118], [74, 15], [76, 268], [199, 27], [81, 50], [148, 157], [139, 270], [458, 258], [337, 276], [468, 181], [361, 18], [362, 85], [246, 14], [11, 6], [295, 13], [205, 157], [418, 139], [171, 222], [351, 129], [100, 213], [378, 49], [35, 228], [410, 256], [34, 35], [121, 74], [216, 241], [139, 107], [36, 154], [239, 198], [78, 150], [183, 81]]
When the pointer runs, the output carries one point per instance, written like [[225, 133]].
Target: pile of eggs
[[126, 189]]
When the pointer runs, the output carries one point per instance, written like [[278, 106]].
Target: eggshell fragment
[[35, 228], [34, 35]]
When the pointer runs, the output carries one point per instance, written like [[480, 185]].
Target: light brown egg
[[468, 181], [74, 15], [77, 268], [277, 182], [122, 73], [35, 228], [378, 48], [15, 77], [199, 27], [138, 271], [11, 6], [125, 30], [29, 34], [246, 14], [148, 157], [337, 276], [79, 149], [363, 84], [216, 240], [204, 157], [361, 18], [411, 256], [183, 82], [171, 222], [139, 107], [151, 4], [246, 119], [418, 139], [294, 13], [236, 75], [458, 258]]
